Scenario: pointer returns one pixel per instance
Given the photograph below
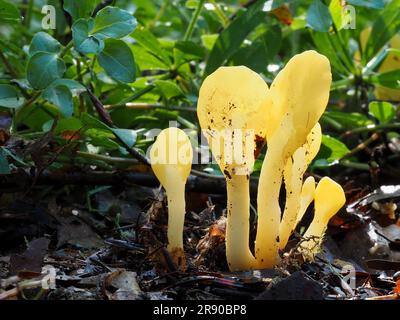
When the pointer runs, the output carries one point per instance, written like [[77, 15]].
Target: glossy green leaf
[[83, 41], [80, 9], [373, 4], [348, 120], [318, 16], [9, 97], [118, 61], [168, 88], [127, 136], [60, 96], [233, 36], [390, 79], [383, 111], [43, 42], [43, 68], [332, 149], [112, 22], [74, 86]]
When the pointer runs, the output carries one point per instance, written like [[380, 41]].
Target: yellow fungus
[[230, 112], [297, 98], [171, 160], [329, 198]]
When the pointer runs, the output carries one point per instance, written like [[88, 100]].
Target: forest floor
[[93, 243]]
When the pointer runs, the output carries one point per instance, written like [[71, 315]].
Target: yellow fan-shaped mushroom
[[230, 112], [297, 98], [329, 198], [171, 160], [306, 197], [295, 168]]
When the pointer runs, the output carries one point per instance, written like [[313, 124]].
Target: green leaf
[[60, 96], [43, 42], [112, 22], [168, 89], [208, 40], [69, 124], [9, 97], [383, 111], [191, 50], [318, 16], [92, 122], [118, 61], [145, 60], [43, 68], [72, 85], [260, 53], [4, 167], [127, 136], [327, 45], [336, 10], [386, 25], [191, 4], [8, 12], [80, 9], [148, 41], [83, 41], [102, 138], [332, 149], [390, 79], [348, 120], [373, 4], [233, 36]]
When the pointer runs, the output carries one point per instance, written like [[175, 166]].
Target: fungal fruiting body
[[296, 100], [294, 171], [306, 197], [171, 160], [232, 118], [329, 198]]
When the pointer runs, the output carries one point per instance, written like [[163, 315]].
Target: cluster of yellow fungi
[[238, 115]]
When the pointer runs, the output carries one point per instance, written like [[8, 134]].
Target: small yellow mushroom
[[230, 112], [297, 98], [329, 198], [295, 168], [171, 160]]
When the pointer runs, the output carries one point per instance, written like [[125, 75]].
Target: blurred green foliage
[[145, 61]]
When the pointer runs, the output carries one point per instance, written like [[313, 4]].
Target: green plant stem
[[28, 16], [66, 49], [220, 13], [8, 66], [139, 93], [373, 127], [107, 159], [361, 146], [147, 106], [354, 165], [340, 84], [193, 21]]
